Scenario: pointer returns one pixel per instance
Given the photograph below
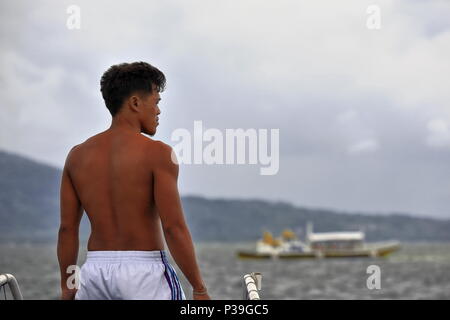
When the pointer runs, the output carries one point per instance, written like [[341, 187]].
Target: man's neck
[[122, 124]]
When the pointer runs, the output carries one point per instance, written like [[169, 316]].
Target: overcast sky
[[364, 115]]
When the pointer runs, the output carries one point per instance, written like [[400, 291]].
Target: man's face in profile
[[149, 116]]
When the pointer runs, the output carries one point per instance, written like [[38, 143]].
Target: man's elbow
[[175, 229], [68, 230]]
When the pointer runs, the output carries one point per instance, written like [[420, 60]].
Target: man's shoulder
[[79, 147], [71, 157], [88, 143], [161, 152], [158, 146], [74, 150], [77, 150]]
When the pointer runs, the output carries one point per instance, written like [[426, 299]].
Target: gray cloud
[[362, 113]]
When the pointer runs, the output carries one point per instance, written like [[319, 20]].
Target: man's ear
[[133, 102]]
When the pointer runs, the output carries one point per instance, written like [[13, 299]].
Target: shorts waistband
[[126, 256]]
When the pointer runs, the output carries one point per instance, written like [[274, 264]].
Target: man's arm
[[175, 229], [71, 212]]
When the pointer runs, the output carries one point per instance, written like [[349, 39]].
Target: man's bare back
[[112, 174], [127, 185]]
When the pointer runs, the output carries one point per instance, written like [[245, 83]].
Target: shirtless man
[[127, 185]]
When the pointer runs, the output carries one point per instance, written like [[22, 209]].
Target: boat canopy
[[336, 236], [270, 240], [288, 234]]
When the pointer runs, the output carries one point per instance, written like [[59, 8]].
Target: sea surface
[[416, 271]]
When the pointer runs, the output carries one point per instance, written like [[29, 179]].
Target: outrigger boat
[[318, 245]]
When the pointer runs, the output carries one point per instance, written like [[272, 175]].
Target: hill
[[29, 211]]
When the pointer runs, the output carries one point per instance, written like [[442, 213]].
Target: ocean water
[[417, 271]]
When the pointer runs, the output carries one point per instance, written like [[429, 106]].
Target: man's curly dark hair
[[122, 80]]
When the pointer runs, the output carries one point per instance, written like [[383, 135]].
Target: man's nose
[[158, 111]]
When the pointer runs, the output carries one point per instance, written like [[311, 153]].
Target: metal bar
[[252, 285], [13, 285]]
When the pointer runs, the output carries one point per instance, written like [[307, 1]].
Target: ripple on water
[[417, 271]]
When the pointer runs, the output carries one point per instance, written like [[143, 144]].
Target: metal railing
[[252, 286], [13, 285]]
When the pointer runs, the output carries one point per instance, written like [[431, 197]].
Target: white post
[[13, 285], [252, 285]]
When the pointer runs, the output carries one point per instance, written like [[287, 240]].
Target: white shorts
[[128, 275]]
